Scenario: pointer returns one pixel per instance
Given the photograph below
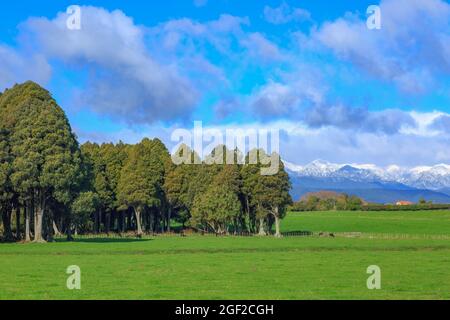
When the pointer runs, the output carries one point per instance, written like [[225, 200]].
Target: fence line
[[310, 234]]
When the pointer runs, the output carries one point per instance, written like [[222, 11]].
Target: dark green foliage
[[266, 196], [97, 188], [85, 204], [219, 207], [46, 163]]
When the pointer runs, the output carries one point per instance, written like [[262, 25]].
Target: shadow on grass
[[105, 240]]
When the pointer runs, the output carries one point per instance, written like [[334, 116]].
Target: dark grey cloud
[[275, 100], [226, 107], [136, 102], [304, 101], [388, 121]]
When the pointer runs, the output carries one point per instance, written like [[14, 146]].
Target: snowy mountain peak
[[425, 177], [292, 167]]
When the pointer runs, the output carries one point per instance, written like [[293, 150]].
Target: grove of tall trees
[[50, 186]]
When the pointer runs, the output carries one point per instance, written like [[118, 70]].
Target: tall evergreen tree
[[6, 192], [137, 188], [47, 160], [44, 174], [219, 207]]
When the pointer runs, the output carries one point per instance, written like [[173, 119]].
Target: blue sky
[[337, 90]]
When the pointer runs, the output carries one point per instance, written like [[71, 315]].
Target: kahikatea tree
[[183, 182], [266, 195], [82, 207], [155, 159], [44, 174], [96, 165], [46, 158], [163, 167], [219, 207], [251, 177], [6, 192], [112, 158], [137, 188], [276, 195]]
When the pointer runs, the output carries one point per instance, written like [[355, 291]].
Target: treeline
[[411, 207], [49, 185], [326, 201], [333, 201]]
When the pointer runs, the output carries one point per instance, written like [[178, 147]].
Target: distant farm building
[[404, 203]]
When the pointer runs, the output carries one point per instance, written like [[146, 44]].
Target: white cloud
[[424, 121], [226, 35], [302, 144], [124, 80], [259, 46], [285, 14], [411, 49], [344, 146], [145, 75], [16, 67], [187, 34]]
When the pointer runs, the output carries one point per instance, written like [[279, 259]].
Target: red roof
[[403, 203]]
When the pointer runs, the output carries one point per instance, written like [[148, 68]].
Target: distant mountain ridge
[[372, 183]]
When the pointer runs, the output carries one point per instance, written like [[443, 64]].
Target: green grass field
[[205, 267]]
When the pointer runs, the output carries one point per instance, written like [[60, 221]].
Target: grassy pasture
[[390, 222], [206, 267]]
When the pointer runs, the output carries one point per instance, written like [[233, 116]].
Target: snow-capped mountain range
[[426, 177]]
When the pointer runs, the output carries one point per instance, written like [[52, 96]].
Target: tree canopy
[[51, 185]]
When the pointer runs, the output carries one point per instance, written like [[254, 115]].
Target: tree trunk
[[262, 232], [277, 227], [251, 225], [69, 229], [107, 221], [138, 221], [27, 222], [48, 230], [276, 214], [100, 216], [32, 217], [169, 213], [6, 218], [96, 221], [56, 231], [156, 223], [122, 222], [112, 221], [128, 220], [162, 222], [152, 223], [38, 226], [18, 236], [145, 221], [38, 222]]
